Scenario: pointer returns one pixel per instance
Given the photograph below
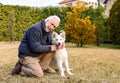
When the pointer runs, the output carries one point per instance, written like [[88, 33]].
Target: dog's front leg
[[67, 67], [61, 70]]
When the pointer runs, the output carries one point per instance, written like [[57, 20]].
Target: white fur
[[61, 55]]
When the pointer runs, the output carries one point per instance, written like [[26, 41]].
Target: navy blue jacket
[[35, 41]]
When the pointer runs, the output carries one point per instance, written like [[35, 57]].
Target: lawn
[[90, 64]]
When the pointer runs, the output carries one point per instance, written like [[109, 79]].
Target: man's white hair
[[53, 17]]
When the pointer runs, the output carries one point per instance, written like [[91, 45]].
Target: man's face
[[51, 25]]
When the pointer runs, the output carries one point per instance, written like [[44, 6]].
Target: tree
[[79, 30], [99, 32], [11, 25], [114, 22], [97, 17]]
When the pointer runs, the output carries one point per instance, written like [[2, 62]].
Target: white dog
[[61, 55]]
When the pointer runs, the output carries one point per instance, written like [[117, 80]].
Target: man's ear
[[54, 34], [62, 34]]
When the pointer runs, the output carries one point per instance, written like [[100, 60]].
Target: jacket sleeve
[[34, 38]]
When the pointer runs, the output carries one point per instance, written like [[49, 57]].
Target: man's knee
[[31, 72], [38, 74]]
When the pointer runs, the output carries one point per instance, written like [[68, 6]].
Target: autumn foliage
[[79, 30]]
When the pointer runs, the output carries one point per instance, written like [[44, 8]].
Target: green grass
[[90, 64], [110, 46]]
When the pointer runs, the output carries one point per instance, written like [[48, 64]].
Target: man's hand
[[57, 47], [53, 48]]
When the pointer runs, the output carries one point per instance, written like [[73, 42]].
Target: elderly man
[[36, 49]]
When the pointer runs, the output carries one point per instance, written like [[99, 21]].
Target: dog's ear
[[62, 34], [54, 34]]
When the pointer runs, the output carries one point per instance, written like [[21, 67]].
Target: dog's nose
[[58, 43]]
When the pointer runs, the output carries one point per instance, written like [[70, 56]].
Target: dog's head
[[58, 39]]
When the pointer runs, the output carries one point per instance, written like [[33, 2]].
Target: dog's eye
[[56, 39]]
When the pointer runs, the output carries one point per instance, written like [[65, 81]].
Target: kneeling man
[[36, 49]]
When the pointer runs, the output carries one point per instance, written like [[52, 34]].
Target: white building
[[105, 3], [87, 3], [108, 5]]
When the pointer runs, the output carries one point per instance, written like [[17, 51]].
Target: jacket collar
[[43, 26]]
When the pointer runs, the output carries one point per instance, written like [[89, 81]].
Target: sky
[[32, 3]]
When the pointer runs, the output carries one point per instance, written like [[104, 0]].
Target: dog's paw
[[63, 75], [70, 73]]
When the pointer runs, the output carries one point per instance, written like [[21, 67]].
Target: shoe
[[49, 70], [17, 68]]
